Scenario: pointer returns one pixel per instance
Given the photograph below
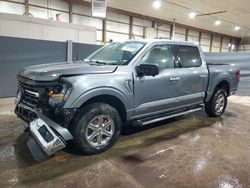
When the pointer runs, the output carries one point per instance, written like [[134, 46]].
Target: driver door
[[156, 94]]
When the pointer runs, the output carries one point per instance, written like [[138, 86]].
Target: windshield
[[116, 53]]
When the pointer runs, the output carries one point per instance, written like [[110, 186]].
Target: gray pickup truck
[[135, 82]]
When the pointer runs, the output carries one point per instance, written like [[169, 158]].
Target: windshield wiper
[[96, 62]]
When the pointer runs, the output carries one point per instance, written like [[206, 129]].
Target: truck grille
[[30, 98], [34, 94]]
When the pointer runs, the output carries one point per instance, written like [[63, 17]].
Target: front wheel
[[97, 128], [217, 104]]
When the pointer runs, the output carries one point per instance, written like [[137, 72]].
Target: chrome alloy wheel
[[219, 104], [100, 130]]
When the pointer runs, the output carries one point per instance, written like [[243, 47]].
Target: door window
[[188, 56], [160, 55]]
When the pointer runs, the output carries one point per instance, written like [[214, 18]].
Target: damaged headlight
[[59, 94]]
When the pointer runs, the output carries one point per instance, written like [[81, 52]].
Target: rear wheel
[[97, 128], [217, 104]]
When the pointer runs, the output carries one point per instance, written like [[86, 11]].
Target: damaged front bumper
[[45, 137]]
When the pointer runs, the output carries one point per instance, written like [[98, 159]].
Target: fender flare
[[217, 82], [113, 92]]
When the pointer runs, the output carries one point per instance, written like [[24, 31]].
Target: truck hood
[[52, 71]]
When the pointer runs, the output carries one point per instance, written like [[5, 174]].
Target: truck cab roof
[[151, 41]]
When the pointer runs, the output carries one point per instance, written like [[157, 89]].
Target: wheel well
[[224, 85], [112, 101]]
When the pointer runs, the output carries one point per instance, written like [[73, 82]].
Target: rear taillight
[[238, 75]]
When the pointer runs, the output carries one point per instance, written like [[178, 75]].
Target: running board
[[169, 116]]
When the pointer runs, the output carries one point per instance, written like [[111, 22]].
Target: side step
[[149, 121]]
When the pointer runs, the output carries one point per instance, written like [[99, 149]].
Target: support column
[[186, 35], [173, 30], [221, 43], [70, 13], [200, 33], [131, 27], [26, 5], [69, 51], [211, 42], [104, 31]]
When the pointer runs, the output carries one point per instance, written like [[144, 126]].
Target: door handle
[[203, 76], [174, 79]]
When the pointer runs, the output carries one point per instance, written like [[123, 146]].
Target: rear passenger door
[[192, 73]]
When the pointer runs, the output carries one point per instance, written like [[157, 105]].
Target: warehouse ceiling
[[237, 13]]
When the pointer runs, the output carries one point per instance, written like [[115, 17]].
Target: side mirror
[[147, 70]]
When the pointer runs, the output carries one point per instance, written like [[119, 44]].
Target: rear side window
[[188, 56]]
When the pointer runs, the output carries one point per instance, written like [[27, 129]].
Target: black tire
[[80, 127], [210, 107]]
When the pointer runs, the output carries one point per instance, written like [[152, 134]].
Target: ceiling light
[[236, 28], [217, 22], [192, 15], [157, 4]]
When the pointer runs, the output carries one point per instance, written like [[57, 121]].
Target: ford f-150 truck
[[135, 82]]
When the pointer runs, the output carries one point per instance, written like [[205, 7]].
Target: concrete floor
[[188, 151]]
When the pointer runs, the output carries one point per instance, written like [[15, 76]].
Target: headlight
[[59, 94]]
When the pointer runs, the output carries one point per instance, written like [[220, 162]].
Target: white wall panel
[[205, 48], [225, 43], [80, 9], [224, 50], [163, 34], [193, 39], [141, 22], [215, 49], [38, 12], [114, 26], [38, 2], [193, 33], [48, 14], [12, 8], [87, 21], [164, 27], [19, 1], [138, 37], [138, 30], [64, 16], [205, 41], [179, 37], [193, 36], [59, 4], [216, 41], [116, 37], [33, 28], [99, 35], [118, 17], [180, 30]]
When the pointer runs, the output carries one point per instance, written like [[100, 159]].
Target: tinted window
[[160, 55], [188, 56]]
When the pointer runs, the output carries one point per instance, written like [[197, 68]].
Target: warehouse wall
[[33, 28], [17, 53], [118, 26], [245, 45], [26, 41], [242, 59]]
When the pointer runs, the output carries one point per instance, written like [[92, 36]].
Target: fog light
[[47, 136]]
